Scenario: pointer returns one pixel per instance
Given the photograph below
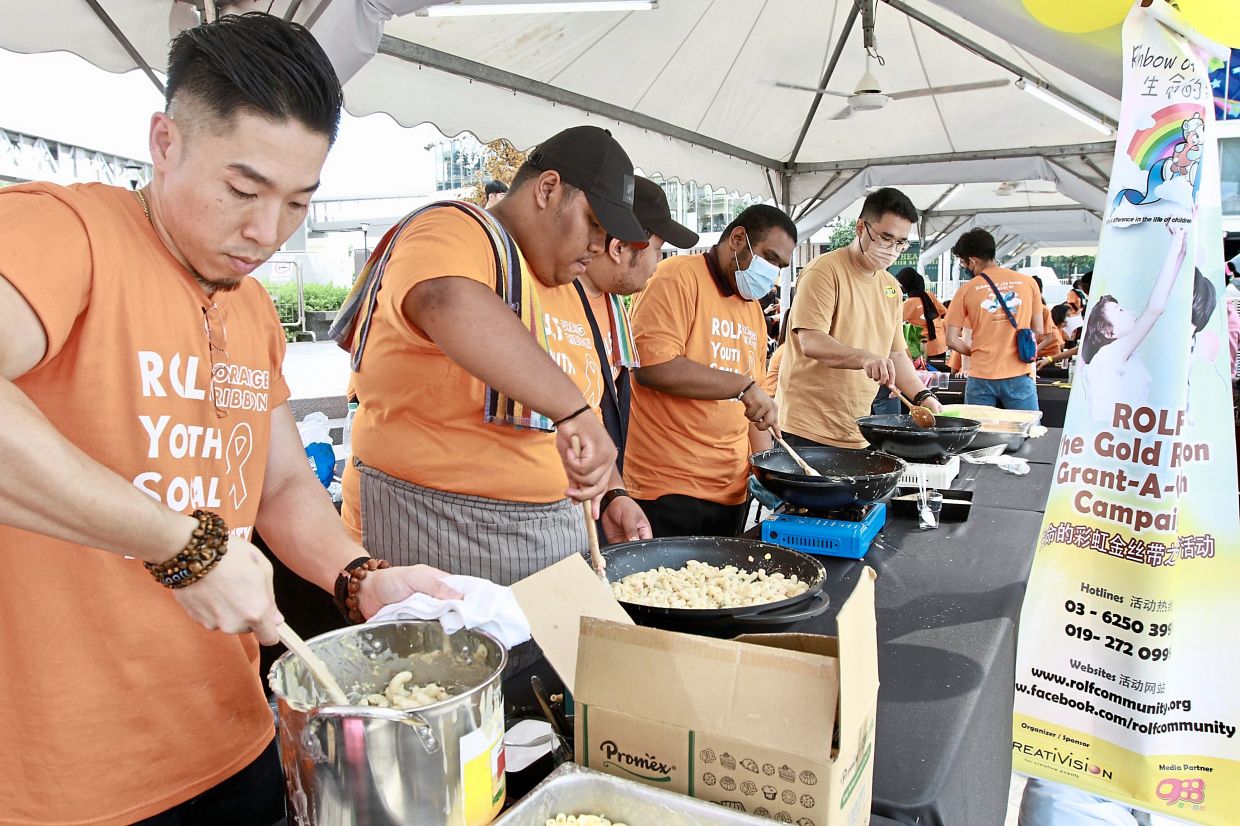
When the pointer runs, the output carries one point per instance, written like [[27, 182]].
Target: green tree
[[843, 232]]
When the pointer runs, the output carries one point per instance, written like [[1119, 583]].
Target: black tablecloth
[[997, 488], [948, 601], [1053, 402]]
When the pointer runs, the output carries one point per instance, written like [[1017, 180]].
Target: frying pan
[[899, 436], [747, 554], [847, 475]]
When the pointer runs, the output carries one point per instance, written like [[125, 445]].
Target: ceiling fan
[[868, 94]]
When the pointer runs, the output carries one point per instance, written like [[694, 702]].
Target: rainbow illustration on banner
[[1157, 143]]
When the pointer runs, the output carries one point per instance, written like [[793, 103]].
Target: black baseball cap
[[650, 207], [590, 159]]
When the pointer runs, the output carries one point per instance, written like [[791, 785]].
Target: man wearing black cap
[[463, 439], [624, 269]]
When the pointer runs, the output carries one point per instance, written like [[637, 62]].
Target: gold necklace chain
[[142, 200]]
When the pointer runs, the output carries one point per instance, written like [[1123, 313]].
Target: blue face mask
[[756, 280]]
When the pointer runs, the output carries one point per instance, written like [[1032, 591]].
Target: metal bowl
[[900, 436]]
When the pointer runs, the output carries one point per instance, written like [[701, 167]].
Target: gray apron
[[502, 541]]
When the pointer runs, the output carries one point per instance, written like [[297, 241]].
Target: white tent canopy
[[690, 88]]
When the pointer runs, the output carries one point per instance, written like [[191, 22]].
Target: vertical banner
[[1127, 671]]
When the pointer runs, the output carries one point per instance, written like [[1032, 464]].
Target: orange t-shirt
[[571, 342], [1048, 325], [994, 338], [602, 317], [915, 313], [420, 414], [117, 705], [692, 447]]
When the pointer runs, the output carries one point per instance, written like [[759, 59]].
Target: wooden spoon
[[587, 508], [809, 471], [317, 667], [921, 416]]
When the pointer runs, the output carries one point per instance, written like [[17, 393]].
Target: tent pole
[[137, 58], [817, 196], [826, 78], [1002, 62], [1107, 147]]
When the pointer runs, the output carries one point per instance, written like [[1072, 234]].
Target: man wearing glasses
[[848, 331]]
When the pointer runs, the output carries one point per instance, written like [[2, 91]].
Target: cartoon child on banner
[[1171, 152], [1113, 370]]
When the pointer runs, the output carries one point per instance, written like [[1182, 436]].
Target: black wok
[[847, 475], [747, 554], [900, 436]]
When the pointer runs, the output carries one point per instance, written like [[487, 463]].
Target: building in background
[[32, 158]]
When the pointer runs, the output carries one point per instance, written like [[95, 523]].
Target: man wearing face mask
[[698, 407], [847, 328]]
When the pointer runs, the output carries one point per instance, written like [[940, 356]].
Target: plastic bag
[[316, 438]]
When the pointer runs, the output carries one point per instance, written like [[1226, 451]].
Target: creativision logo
[[646, 767]]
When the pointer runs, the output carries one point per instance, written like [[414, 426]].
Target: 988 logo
[[1173, 790]]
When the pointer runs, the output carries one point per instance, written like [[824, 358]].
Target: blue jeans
[[1016, 393], [884, 404]]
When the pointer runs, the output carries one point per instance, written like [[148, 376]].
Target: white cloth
[[485, 607]]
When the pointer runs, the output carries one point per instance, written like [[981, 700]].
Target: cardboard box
[[554, 601], [746, 723]]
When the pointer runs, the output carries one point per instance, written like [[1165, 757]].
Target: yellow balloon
[[1079, 16], [1218, 20]]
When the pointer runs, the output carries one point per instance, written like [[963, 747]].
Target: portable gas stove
[[844, 532]]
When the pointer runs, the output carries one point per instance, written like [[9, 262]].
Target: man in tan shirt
[[848, 331]]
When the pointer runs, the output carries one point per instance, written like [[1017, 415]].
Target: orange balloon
[[1218, 20], [1079, 16]]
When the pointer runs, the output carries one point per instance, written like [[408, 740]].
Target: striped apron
[[502, 541]]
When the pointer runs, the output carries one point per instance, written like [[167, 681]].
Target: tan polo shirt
[[859, 308]]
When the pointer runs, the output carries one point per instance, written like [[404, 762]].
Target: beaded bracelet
[[206, 547], [349, 583]]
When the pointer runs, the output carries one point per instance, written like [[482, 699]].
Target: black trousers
[[679, 515], [253, 796]]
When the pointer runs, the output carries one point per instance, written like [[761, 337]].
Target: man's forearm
[[906, 374], [690, 380], [51, 487], [956, 341], [822, 347]]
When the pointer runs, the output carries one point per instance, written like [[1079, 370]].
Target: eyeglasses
[[885, 242], [217, 343]]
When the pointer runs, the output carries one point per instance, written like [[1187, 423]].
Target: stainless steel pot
[[439, 765]]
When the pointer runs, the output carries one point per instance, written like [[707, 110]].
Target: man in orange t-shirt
[[623, 270], [445, 470], [997, 376], [698, 405], [140, 380]]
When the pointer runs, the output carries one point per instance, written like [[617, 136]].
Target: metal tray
[[575, 791]]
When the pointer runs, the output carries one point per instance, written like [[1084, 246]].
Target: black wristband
[[611, 496], [572, 415], [341, 590], [746, 390], [923, 395]]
